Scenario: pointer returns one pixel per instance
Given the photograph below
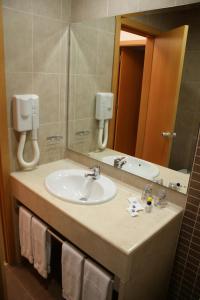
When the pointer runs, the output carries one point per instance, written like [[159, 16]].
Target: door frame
[[123, 23], [5, 195]]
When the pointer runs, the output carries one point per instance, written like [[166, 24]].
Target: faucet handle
[[96, 170]]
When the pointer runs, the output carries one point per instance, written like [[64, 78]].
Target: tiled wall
[[36, 45], [85, 9], [91, 61], [185, 283]]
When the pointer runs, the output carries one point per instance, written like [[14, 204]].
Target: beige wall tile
[[47, 87], [52, 130], [23, 5], [13, 141], [39, 68], [47, 36], [17, 83], [17, 41]]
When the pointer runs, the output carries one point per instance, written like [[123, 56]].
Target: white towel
[[97, 283], [72, 272], [25, 233], [41, 242]]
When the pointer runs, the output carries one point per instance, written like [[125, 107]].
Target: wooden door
[[129, 94], [167, 65]]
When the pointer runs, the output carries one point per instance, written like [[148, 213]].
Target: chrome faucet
[[95, 173], [119, 162]]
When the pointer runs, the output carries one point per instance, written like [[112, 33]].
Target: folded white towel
[[134, 206], [25, 233], [97, 283], [72, 272], [41, 242]]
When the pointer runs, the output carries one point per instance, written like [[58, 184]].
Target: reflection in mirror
[[134, 92]]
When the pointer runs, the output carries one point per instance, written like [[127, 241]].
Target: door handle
[[169, 134]]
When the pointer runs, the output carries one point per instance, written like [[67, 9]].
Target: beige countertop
[[109, 221]]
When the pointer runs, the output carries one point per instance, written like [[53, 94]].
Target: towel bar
[[48, 230], [55, 235]]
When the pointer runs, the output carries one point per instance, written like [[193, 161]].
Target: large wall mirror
[[144, 69]]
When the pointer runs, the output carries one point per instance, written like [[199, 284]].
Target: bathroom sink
[[135, 166], [72, 185]]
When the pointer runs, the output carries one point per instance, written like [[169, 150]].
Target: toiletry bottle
[[148, 207], [161, 200], [147, 192]]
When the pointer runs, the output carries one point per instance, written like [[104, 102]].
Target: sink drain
[[83, 199]]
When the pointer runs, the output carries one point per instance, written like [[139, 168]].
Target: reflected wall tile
[[192, 65], [190, 93], [78, 10], [64, 51], [105, 53], [63, 97], [84, 9], [72, 97], [47, 87], [148, 5], [85, 89], [84, 43], [17, 41], [47, 36], [125, 6], [183, 2], [193, 41], [103, 83], [23, 5], [96, 9], [81, 135], [47, 8], [66, 10], [107, 24], [17, 83], [116, 7], [73, 54]]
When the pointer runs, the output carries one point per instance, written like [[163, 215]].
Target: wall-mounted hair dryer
[[104, 112], [26, 118]]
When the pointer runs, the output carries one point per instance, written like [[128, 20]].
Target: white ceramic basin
[[71, 185], [135, 166]]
